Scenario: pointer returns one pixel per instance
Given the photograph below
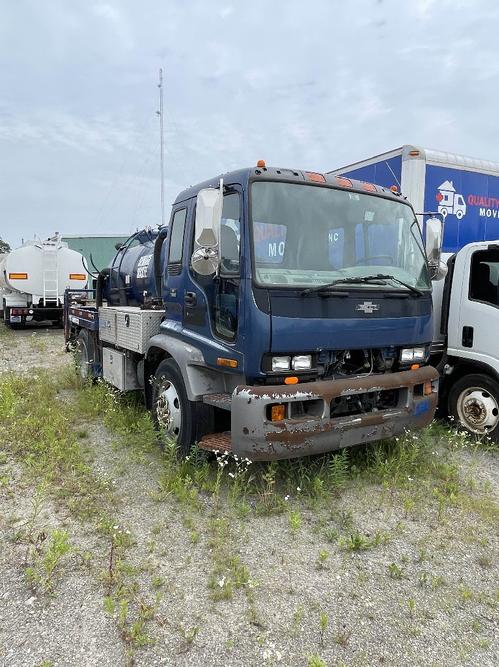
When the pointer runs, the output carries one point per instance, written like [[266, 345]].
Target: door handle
[[190, 298]]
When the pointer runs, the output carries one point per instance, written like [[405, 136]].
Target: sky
[[306, 85]]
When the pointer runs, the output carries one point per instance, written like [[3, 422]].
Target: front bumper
[[255, 436]]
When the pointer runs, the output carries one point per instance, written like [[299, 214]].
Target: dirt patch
[[175, 574]]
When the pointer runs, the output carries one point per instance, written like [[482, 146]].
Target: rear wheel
[[474, 402], [85, 354], [178, 419]]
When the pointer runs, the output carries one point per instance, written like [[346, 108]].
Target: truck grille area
[[371, 401]]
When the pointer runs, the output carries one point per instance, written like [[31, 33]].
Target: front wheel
[[179, 420], [474, 402]]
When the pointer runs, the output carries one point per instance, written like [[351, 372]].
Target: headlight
[[301, 362], [410, 354], [281, 363]]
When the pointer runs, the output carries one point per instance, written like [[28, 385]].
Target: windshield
[[308, 236]]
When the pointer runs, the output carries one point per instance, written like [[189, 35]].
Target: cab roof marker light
[[315, 176], [369, 187], [344, 182]]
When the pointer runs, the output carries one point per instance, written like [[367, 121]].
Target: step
[[216, 442], [223, 401]]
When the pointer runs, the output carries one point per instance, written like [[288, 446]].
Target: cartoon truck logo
[[449, 202]]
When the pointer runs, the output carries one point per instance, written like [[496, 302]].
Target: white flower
[[286, 498], [231, 474], [298, 489], [115, 527], [221, 582]]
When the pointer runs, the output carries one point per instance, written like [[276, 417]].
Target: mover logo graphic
[[449, 201]]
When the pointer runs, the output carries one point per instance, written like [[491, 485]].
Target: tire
[[474, 402], [85, 353], [177, 418]]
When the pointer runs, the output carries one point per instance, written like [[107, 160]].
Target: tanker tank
[[33, 279], [134, 276]]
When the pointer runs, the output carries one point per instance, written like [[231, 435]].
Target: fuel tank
[[132, 275]]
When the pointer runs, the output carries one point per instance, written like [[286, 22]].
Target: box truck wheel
[[85, 354], [474, 402], [179, 420]]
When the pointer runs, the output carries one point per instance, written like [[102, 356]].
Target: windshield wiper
[[378, 279]]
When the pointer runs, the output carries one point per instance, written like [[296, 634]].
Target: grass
[[47, 426]]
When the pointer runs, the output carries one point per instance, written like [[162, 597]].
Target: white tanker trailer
[[33, 279]]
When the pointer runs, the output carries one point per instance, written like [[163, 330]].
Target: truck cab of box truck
[[284, 313]]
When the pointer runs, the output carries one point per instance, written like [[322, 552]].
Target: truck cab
[[468, 319], [295, 316]]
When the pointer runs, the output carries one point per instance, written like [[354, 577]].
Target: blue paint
[[470, 202], [421, 407]]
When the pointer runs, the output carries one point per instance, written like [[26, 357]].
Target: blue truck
[[464, 192], [280, 313]]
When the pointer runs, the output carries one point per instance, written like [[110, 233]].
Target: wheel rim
[[168, 410], [478, 410]]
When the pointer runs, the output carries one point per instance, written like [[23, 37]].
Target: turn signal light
[[230, 363], [414, 367], [77, 276], [18, 276], [291, 380], [278, 412], [427, 388]]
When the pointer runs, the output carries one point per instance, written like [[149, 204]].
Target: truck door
[[175, 267], [474, 316]]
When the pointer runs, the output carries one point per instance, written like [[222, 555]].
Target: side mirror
[[433, 245], [205, 258]]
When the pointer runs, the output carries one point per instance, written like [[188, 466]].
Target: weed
[[323, 623], [358, 541], [395, 571], [294, 520], [411, 606], [297, 619], [322, 559], [342, 637], [316, 661], [46, 560]]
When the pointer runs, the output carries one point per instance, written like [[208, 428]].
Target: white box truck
[[465, 348]]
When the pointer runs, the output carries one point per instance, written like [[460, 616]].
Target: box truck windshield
[[306, 235]]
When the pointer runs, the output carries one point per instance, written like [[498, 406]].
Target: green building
[[102, 247]]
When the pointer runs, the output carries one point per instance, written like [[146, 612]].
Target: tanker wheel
[[178, 419], [474, 402], [85, 355]]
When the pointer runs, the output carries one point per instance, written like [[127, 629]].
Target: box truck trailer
[[464, 192], [250, 330]]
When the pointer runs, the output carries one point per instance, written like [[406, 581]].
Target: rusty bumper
[[255, 436]]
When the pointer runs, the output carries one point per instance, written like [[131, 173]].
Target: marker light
[[314, 176], [344, 182], [230, 363], [77, 276], [369, 187], [261, 164], [394, 188], [278, 412], [18, 276]]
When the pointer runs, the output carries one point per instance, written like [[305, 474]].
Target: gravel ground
[[428, 596]]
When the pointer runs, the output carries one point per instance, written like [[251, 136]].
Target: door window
[[484, 277], [177, 237], [227, 290]]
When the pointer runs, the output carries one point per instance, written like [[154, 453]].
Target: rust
[[329, 389]]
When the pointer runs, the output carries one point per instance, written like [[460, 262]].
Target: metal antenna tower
[[162, 147]]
